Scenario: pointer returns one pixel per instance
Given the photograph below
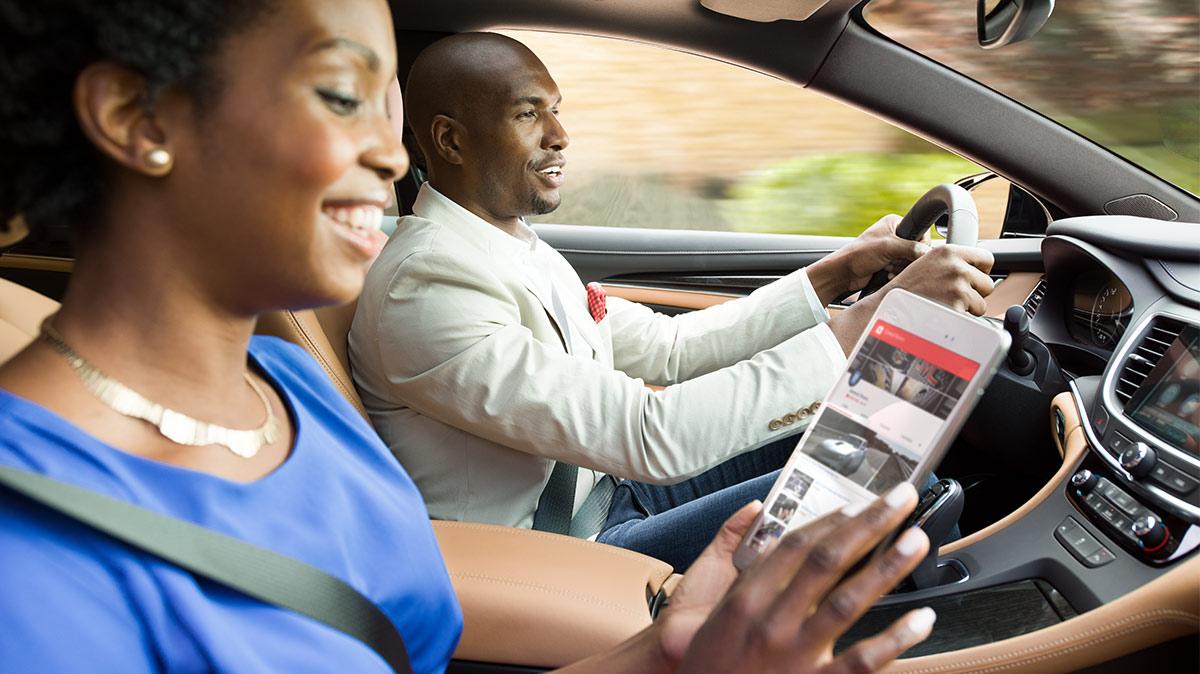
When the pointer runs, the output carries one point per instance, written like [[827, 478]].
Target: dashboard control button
[[1138, 460], [1099, 558], [1081, 544], [1068, 525], [1126, 503], [1119, 443], [1172, 479], [1152, 534], [1112, 516], [1084, 481], [1105, 511], [1100, 420]]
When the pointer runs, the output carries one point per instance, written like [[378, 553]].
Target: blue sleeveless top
[[74, 600]]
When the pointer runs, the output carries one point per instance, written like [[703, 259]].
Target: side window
[[665, 139]]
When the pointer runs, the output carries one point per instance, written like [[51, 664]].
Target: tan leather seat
[[323, 333], [21, 314]]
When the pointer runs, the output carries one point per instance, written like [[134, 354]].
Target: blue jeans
[[676, 522]]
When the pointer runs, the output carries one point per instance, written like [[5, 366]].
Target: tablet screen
[[880, 420]]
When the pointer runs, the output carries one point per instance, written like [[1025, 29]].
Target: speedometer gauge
[[1102, 309]]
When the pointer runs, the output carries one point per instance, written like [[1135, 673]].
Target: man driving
[[515, 395]]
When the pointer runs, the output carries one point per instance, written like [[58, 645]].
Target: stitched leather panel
[[540, 599]]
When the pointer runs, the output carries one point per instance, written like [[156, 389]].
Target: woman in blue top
[[214, 161]]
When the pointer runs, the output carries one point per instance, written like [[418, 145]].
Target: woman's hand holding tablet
[[787, 609]]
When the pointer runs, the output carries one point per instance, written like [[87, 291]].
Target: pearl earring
[[158, 157]]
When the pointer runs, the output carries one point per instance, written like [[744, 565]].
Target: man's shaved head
[[484, 110], [459, 74]]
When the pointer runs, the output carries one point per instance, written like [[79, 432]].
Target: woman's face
[[280, 185]]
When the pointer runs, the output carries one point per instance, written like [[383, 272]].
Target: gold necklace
[[175, 426]]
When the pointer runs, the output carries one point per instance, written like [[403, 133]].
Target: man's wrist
[[828, 278], [848, 325]]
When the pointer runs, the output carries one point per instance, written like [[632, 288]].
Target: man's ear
[[111, 105], [448, 136]]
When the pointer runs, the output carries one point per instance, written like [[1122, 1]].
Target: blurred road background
[[668, 139]]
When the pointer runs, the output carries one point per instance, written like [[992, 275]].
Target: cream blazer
[[463, 370]]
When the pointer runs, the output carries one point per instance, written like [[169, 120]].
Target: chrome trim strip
[[671, 289], [1108, 387], [1181, 507]]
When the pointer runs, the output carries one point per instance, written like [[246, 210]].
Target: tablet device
[[909, 385]]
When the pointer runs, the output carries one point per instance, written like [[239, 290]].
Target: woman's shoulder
[[280, 354], [73, 581]]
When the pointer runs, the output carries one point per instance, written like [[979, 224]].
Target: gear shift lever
[[937, 513], [1016, 323]]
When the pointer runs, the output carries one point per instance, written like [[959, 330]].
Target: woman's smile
[[357, 222]]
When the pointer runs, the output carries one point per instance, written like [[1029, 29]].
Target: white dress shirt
[[478, 379]]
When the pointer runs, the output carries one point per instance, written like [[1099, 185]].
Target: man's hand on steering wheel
[[851, 267]]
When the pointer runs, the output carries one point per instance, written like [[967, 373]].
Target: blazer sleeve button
[[789, 419], [775, 425]]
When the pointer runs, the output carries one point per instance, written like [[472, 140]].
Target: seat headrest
[[323, 333], [21, 314]]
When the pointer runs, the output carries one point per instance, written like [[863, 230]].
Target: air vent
[[1035, 298], [1154, 343]]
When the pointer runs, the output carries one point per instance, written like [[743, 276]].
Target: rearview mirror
[[1003, 22]]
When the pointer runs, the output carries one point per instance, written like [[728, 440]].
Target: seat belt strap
[[557, 501], [594, 510], [252, 570]]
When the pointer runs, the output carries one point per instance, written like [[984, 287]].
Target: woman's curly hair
[[50, 174]]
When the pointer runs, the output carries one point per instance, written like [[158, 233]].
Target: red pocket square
[[597, 301]]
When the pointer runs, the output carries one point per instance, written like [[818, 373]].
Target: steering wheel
[[962, 227]]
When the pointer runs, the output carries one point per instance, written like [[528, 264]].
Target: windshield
[[1124, 73]]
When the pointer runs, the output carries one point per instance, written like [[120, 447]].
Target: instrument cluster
[[1101, 309]]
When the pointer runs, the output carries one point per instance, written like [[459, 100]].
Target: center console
[[1076, 564], [1141, 485]]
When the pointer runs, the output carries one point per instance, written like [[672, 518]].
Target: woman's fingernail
[[920, 623], [920, 249], [854, 508], [910, 542], [899, 495]]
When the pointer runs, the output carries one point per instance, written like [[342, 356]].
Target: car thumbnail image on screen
[[907, 377]]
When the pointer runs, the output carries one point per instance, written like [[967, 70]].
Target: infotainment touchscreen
[[1168, 402]]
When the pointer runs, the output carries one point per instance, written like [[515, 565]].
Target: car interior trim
[[573, 598], [683, 299], [36, 262], [1149, 237], [1157, 495], [21, 314], [1015, 289], [1072, 451], [1163, 609]]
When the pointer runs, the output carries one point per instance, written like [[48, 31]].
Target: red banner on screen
[[925, 350]]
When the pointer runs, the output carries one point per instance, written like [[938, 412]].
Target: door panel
[[42, 274], [679, 270]]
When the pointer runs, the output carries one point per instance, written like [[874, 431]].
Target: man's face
[[517, 143]]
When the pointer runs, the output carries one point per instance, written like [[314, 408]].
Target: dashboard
[[1120, 309]]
